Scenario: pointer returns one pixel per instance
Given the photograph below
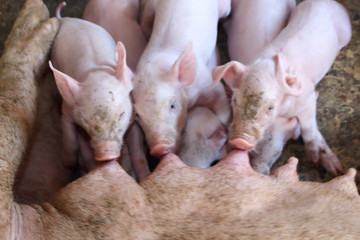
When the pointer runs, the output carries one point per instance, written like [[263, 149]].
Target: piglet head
[[101, 105], [159, 101], [203, 139], [258, 93]]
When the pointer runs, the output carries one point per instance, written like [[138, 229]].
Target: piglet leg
[[270, 148], [137, 152], [317, 150]]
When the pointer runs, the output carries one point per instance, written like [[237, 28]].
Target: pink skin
[[119, 18], [108, 203], [251, 28], [281, 82], [269, 149], [253, 25], [203, 139], [147, 16], [173, 73], [96, 90]]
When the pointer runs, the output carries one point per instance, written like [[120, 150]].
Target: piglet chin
[[161, 149], [242, 144]]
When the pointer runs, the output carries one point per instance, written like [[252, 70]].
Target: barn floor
[[338, 103]]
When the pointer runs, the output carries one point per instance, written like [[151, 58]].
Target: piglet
[[270, 147], [119, 18], [204, 138], [253, 25], [251, 28], [173, 74], [281, 81], [176, 201], [95, 83]]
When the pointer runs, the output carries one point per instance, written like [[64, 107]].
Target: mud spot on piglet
[[251, 105], [112, 96], [104, 126]]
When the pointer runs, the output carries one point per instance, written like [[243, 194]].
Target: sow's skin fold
[[226, 201]]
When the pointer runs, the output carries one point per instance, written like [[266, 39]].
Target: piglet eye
[[271, 107], [122, 115], [137, 116], [173, 104]]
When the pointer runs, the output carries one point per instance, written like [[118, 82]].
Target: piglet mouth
[[243, 142], [106, 154], [106, 157], [160, 150]]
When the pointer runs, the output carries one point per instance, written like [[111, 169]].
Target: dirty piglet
[[120, 19], [172, 75], [251, 28], [281, 81], [92, 76]]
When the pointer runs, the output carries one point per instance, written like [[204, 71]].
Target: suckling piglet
[[120, 19], [175, 201], [173, 75], [204, 138], [281, 81], [252, 26], [92, 76]]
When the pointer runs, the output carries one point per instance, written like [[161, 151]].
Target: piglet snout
[[161, 149], [242, 143], [109, 151]]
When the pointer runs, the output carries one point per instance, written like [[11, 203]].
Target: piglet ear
[[231, 72], [123, 72], [184, 69], [286, 76], [68, 87]]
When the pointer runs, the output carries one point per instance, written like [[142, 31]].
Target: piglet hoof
[[288, 171], [331, 163], [322, 155]]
